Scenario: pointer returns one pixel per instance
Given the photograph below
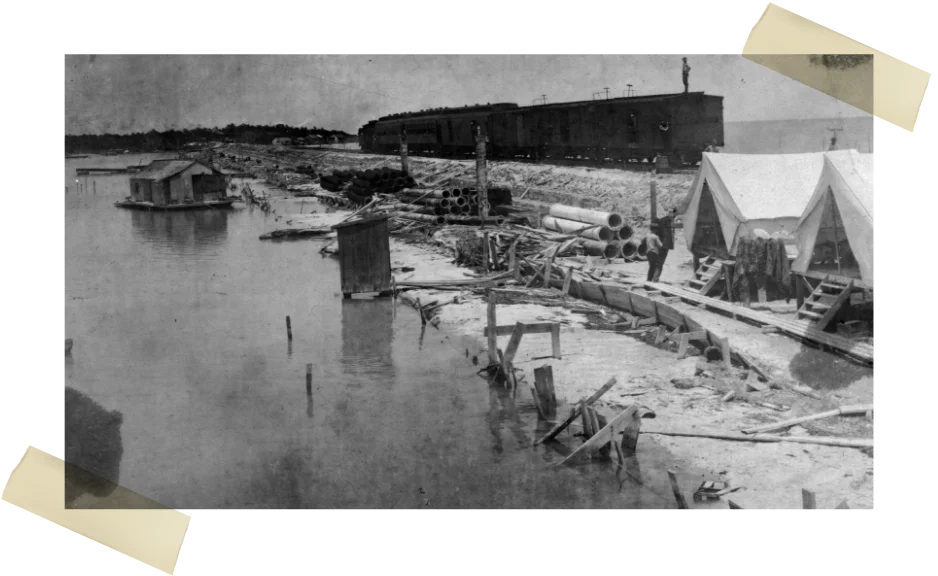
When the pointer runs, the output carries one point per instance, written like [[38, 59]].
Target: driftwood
[[295, 233], [856, 410], [576, 412], [822, 440]]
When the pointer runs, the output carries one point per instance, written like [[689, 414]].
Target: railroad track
[[628, 166]]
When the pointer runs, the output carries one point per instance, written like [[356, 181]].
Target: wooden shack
[[168, 182], [365, 256]]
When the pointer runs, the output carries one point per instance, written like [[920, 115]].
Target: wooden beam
[[852, 410], [566, 280], [544, 390], [835, 307], [681, 502], [727, 355], [538, 328], [711, 283], [514, 342], [555, 340], [662, 335], [682, 347], [576, 412], [602, 437], [808, 500]]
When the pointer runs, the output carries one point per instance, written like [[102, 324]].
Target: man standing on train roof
[[685, 71]]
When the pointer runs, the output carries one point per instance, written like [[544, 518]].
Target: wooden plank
[[682, 347], [514, 342], [852, 410], [537, 404], [857, 350], [835, 307], [544, 386], [576, 412], [681, 502], [808, 500], [711, 282], [538, 328], [555, 340], [727, 355], [661, 336], [566, 280], [492, 331], [602, 437]]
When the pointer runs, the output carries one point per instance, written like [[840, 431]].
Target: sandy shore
[[771, 475]]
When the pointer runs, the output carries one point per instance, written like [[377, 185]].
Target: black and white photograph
[[590, 281]]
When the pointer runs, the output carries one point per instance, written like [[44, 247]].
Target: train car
[[680, 126], [436, 132]]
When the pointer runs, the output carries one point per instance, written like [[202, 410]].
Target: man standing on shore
[[655, 248], [685, 72]]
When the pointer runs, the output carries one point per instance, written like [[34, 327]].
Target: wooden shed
[[365, 255], [166, 182]]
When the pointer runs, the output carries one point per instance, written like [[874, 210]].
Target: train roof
[[451, 110], [509, 106], [623, 99]]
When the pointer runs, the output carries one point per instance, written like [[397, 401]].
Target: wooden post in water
[[289, 330], [493, 331], [309, 379], [544, 386], [681, 502]]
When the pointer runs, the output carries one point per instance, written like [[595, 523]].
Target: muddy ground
[[771, 474]]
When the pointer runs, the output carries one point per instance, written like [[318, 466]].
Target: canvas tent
[[735, 194], [835, 233]]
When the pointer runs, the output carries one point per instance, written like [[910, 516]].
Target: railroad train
[[628, 129]]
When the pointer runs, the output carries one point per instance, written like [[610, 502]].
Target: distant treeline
[[154, 141]]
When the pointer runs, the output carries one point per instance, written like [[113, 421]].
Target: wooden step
[[831, 286], [696, 281], [809, 314], [821, 305]]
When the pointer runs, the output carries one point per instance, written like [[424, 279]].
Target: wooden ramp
[[710, 271], [797, 328], [824, 303]]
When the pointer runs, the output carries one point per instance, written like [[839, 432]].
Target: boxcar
[[437, 132], [618, 129]]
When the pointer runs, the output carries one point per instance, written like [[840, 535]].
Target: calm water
[[178, 322]]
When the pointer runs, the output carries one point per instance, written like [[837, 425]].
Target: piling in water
[[289, 330], [309, 379]]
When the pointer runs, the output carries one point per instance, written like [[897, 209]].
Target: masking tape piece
[[898, 88], [149, 532]]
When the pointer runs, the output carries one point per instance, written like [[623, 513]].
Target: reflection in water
[[366, 352], [184, 232], [93, 447]]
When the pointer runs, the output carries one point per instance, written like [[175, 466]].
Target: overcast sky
[[138, 93]]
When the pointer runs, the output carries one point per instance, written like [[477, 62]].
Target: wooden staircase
[[822, 305], [709, 273]]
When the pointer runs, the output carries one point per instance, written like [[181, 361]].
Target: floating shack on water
[[177, 185]]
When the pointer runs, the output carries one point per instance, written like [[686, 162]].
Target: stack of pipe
[[604, 232]]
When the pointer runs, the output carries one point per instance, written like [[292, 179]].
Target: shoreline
[[771, 475]]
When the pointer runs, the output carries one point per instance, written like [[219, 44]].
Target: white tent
[[749, 192], [842, 200]]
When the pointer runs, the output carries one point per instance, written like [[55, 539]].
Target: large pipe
[[460, 201], [642, 251], [625, 232], [438, 210], [427, 193], [629, 248], [443, 202], [609, 219], [422, 217], [604, 249], [591, 231]]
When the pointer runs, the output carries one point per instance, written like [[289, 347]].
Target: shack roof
[[364, 220], [163, 169]]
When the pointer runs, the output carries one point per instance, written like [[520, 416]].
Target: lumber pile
[[360, 186]]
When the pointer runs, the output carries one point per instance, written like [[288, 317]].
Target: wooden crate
[[364, 255]]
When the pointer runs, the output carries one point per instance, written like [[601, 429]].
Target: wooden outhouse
[[364, 255]]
